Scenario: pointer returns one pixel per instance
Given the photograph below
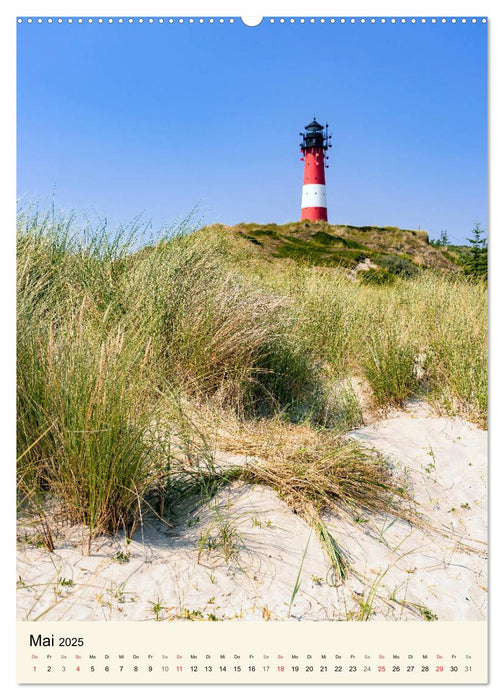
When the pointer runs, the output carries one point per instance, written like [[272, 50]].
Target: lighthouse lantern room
[[316, 141]]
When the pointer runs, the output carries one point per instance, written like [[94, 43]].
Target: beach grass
[[121, 342]]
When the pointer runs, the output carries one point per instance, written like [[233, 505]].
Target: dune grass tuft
[[316, 472]]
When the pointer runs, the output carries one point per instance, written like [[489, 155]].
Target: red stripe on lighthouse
[[314, 171], [314, 213]]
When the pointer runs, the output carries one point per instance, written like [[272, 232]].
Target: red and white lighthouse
[[313, 147]]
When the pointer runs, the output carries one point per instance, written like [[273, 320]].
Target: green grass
[[324, 238], [107, 341], [389, 363], [316, 254], [400, 265], [265, 232], [83, 427], [375, 276], [297, 584], [251, 239], [221, 539], [426, 333], [119, 345]]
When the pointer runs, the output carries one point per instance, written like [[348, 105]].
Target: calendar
[[252, 350], [146, 654]]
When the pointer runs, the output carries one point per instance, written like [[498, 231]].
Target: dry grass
[[425, 336], [314, 472], [316, 469]]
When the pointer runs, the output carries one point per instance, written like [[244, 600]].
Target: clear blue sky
[[157, 119]]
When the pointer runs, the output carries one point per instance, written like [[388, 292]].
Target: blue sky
[[157, 119]]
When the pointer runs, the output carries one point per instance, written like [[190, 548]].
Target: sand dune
[[246, 556]]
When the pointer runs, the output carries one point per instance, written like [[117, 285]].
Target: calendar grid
[[252, 652]]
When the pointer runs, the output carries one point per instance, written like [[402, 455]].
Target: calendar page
[[252, 349]]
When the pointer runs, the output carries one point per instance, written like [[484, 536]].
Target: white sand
[[398, 572]]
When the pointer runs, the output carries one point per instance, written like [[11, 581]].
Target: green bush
[[376, 276], [251, 239], [396, 265], [315, 254], [326, 238], [268, 233]]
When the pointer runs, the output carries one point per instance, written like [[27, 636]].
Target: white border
[[7, 194]]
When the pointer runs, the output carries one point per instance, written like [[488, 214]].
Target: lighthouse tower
[[313, 147]]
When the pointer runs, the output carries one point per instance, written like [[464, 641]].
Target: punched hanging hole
[[252, 21]]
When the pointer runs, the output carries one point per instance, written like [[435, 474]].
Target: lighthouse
[[313, 147]]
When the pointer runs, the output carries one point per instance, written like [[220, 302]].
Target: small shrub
[[352, 243], [375, 276], [251, 239], [326, 238], [396, 265], [267, 233], [364, 229], [313, 253]]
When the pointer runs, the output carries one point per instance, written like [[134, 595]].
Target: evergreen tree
[[476, 261], [442, 240]]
